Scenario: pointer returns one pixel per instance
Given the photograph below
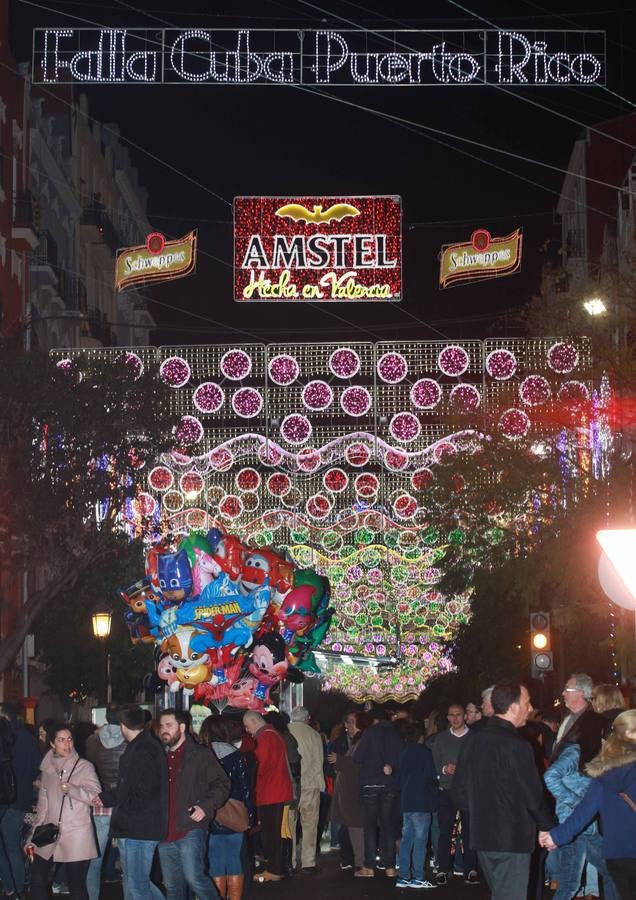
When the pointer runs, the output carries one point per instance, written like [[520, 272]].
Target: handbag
[[43, 835], [233, 815]]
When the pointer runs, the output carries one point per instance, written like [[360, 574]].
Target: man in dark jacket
[[104, 749], [497, 781], [577, 696], [25, 760], [197, 786], [140, 817], [378, 755]]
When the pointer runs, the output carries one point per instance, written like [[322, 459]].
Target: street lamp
[[101, 619], [595, 306]]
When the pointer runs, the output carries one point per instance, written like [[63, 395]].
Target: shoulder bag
[[233, 815]]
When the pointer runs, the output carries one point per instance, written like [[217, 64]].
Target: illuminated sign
[[327, 58], [482, 257], [317, 248], [156, 260]]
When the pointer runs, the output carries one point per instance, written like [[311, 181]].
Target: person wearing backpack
[[20, 761]]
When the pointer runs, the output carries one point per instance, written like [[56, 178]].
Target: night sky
[[232, 140]]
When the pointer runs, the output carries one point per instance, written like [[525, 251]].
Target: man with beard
[[197, 786]]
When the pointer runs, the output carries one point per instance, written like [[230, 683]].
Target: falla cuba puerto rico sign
[[320, 249], [156, 260], [483, 256]]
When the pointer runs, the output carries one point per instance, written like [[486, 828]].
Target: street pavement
[[330, 883]]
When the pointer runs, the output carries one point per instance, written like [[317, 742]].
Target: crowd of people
[[488, 791]]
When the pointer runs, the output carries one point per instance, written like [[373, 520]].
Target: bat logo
[[300, 213]]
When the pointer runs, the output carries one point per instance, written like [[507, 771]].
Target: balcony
[[23, 220], [99, 226], [73, 292], [44, 258], [97, 328]]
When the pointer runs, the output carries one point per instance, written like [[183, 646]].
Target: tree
[[71, 440], [74, 658], [558, 576]]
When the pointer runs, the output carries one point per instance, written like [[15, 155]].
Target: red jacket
[[273, 782]]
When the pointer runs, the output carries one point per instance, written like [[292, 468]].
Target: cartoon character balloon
[[229, 622]]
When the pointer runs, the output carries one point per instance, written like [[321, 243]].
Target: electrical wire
[[497, 86], [128, 140], [399, 120], [482, 19]]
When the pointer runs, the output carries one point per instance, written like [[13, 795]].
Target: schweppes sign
[[482, 257], [156, 260]]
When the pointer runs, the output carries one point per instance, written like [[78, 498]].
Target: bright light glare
[[540, 641], [595, 306], [620, 546]]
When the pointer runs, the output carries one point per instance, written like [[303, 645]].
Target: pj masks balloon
[[175, 576]]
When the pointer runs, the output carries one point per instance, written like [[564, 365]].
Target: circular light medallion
[[317, 395], [501, 364], [296, 429], [563, 358], [247, 402], [160, 478], [357, 454], [356, 401], [283, 369], [366, 485], [392, 368], [405, 427], [534, 390], [573, 394], [174, 371], [247, 479], [335, 480], [426, 393], [208, 397], [453, 360], [464, 398], [514, 424], [344, 363], [189, 430], [134, 365], [236, 364]]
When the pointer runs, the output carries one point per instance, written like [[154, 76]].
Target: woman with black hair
[[224, 845], [68, 789]]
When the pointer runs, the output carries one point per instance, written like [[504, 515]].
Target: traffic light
[[540, 644]]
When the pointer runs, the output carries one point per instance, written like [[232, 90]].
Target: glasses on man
[[571, 690]]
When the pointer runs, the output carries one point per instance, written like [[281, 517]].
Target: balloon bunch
[[228, 622]]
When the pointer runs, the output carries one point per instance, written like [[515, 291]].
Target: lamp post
[[101, 619]]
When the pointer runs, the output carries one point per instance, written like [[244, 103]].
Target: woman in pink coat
[[70, 785]]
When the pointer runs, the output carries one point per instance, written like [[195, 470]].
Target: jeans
[[75, 877], [378, 803], [12, 859], [415, 828], [435, 835], [570, 862], [136, 862], [507, 874], [224, 854], [183, 867], [94, 877]]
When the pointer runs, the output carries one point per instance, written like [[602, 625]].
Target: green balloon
[[309, 664], [195, 539]]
